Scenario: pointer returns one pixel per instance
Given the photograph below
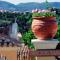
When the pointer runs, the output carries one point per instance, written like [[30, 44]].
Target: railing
[[24, 53], [28, 54]]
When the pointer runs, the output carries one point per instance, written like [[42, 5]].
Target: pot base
[[45, 44]]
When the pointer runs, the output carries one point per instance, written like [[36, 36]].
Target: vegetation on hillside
[[24, 21]]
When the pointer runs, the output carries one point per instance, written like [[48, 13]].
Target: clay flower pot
[[44, 28]]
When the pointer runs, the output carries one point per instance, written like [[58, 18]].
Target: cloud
[[24, 1]]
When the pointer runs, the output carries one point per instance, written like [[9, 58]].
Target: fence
[[15, 53], [28, 54], [24, 53]]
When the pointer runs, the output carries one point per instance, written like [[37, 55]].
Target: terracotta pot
[[44, 28]]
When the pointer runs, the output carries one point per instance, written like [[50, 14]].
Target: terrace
[[7, 43]]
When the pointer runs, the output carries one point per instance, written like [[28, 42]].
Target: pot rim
[[44, 17]]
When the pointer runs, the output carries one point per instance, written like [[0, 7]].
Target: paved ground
[[9, 53]]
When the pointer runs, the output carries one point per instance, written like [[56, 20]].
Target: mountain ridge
[[26, 6], [34, 5]]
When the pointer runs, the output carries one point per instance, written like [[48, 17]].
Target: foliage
[[23, 19], [27, 36], [58, 32], [24, 22], [43, 13]]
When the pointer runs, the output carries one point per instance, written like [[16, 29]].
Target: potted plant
[[44, 25]]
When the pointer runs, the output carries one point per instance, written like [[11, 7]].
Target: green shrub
[[27, 36], [58, 32]]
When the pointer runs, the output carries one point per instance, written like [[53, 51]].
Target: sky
[[24, 1]]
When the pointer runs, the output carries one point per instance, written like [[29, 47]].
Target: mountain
[[26, 6], [7, 6], [33, 5]]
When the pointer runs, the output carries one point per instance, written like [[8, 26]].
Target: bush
[[27, 36], [58, 32]]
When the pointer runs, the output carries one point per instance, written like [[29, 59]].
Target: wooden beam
[[45, 52]]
